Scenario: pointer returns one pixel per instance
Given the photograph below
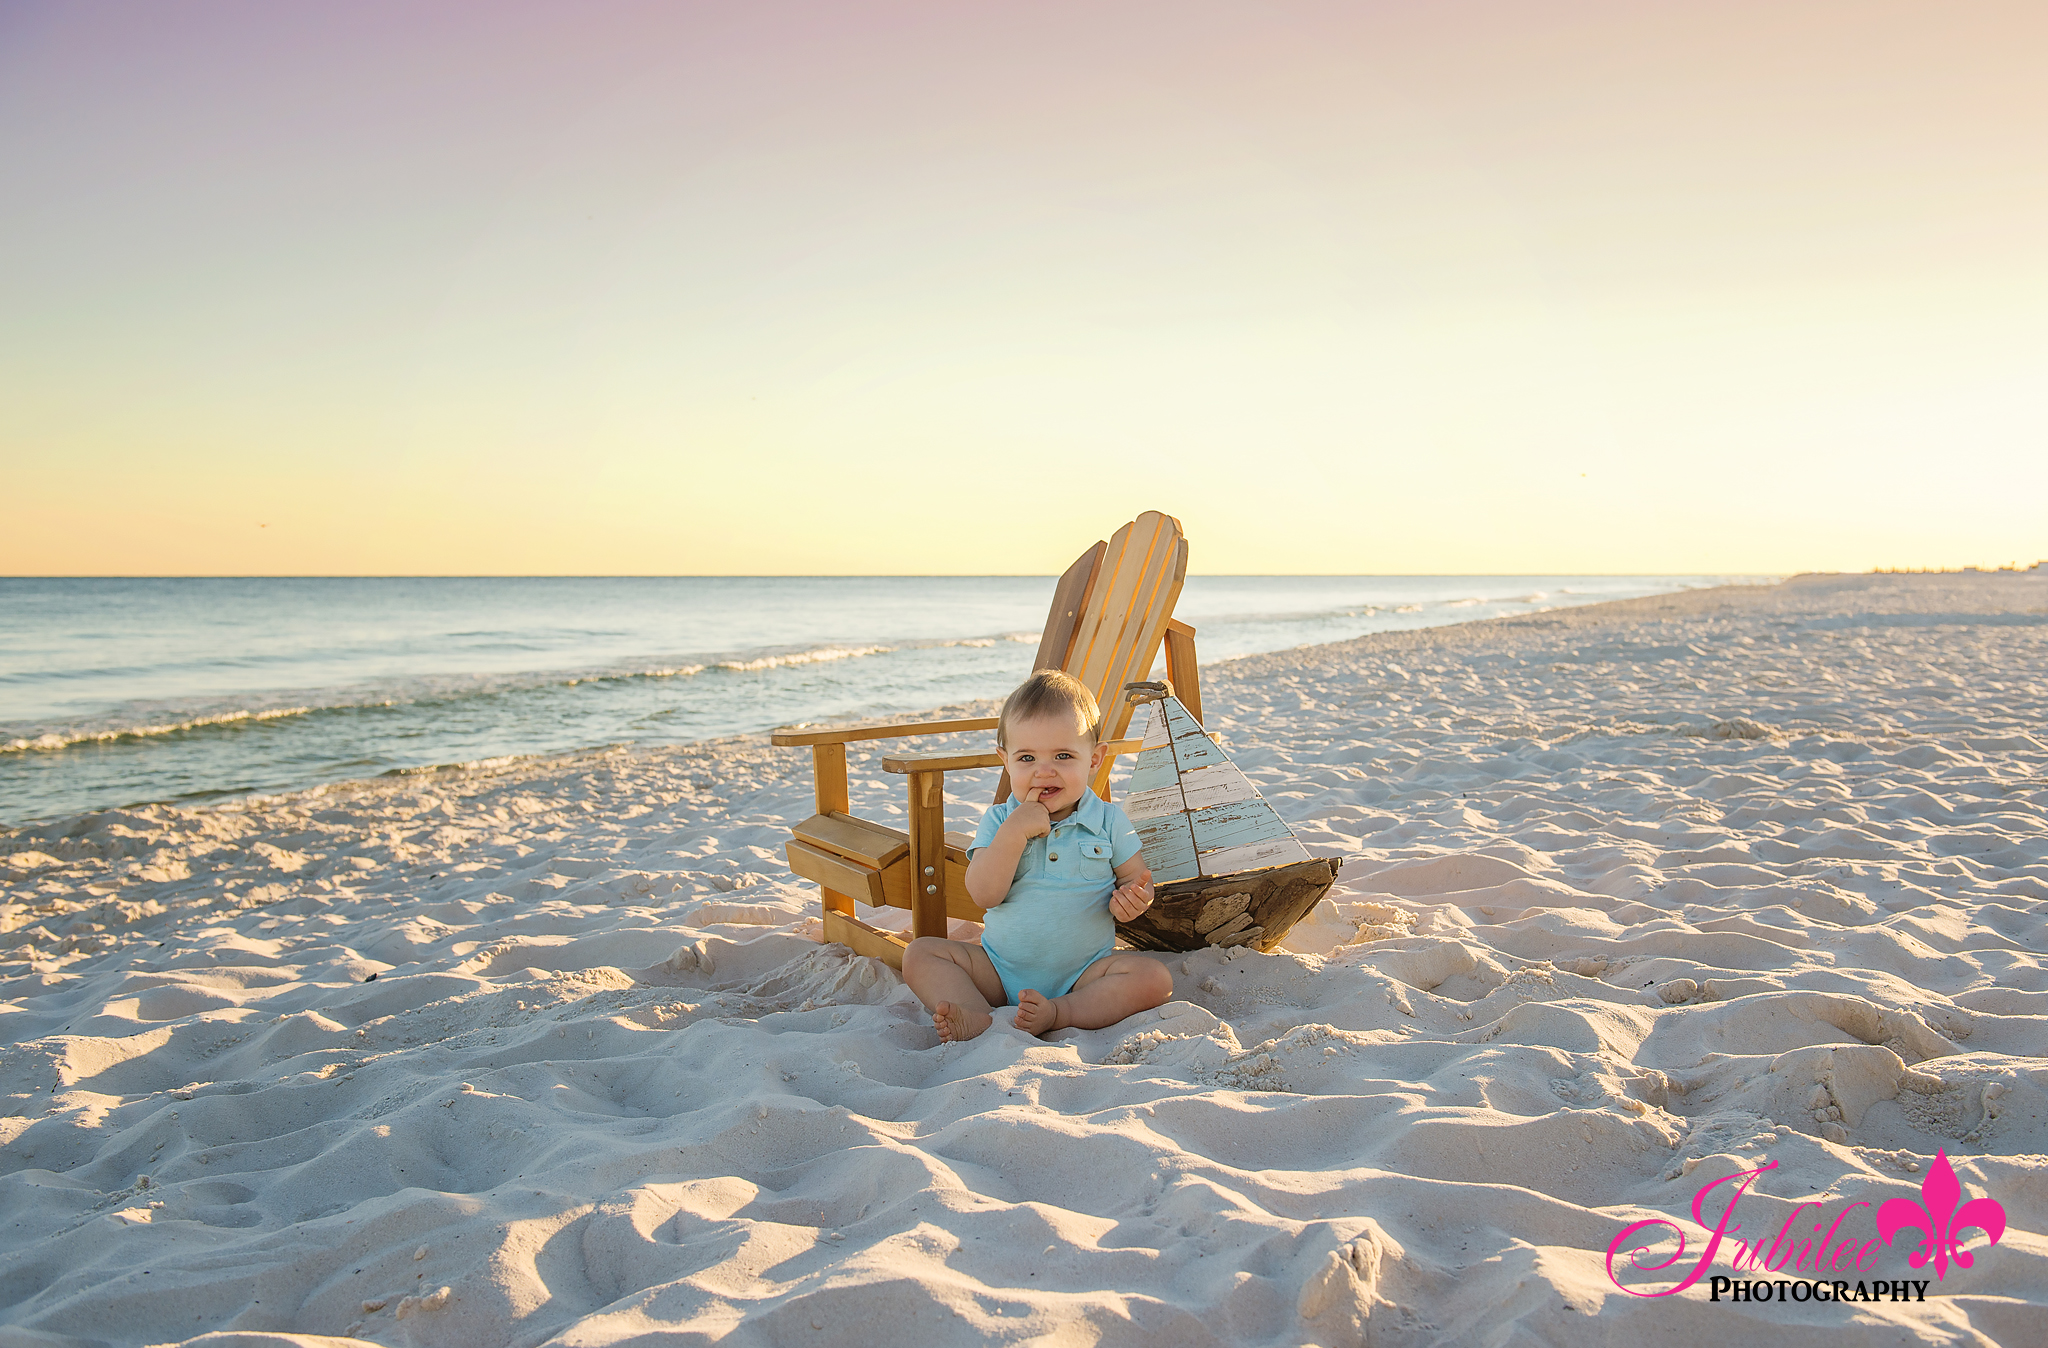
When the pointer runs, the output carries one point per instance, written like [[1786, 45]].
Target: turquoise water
[[116, 692]]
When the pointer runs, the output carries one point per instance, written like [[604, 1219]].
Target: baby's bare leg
[[1113, 987], [956, 983]]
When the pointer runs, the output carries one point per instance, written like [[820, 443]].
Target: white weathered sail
[[1195, 812]]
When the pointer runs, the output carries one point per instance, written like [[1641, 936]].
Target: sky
[[1487, 287]]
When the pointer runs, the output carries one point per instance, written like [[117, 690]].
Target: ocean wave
[[58, 739], [660, 672], [466, 765], [811, 657], [159, 722]]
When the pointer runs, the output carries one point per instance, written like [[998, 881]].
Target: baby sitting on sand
[[1056, 867]]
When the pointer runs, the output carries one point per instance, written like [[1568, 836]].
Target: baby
[[1056, 867]]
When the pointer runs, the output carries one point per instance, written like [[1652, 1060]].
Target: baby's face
[[1050, 761]]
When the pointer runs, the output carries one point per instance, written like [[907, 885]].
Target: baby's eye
[[1063, 754]]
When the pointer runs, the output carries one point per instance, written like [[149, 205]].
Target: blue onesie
[[1055, 920]]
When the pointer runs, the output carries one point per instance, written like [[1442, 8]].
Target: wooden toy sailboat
[[1226, 869]]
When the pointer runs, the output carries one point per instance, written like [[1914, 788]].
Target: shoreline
[[227, 796], [304, 723], [1648, 893]]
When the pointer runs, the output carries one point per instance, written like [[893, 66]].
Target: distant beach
[[1637, 896]]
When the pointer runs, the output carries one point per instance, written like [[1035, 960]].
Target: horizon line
[[965, 575]]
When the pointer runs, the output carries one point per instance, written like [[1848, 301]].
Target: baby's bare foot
[[955, 1023], [1036, 1014]]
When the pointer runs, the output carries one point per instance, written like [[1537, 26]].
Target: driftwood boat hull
[[1253, 908]]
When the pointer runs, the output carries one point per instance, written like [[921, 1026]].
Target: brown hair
[[1050, 692]]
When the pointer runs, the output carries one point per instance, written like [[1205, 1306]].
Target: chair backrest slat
[[1069, 602], [1120, 631], [1144, 633]]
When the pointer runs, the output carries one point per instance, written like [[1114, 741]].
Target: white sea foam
[[473, 765], [152, 723], [660, 672], [822, 655], [59, 739]]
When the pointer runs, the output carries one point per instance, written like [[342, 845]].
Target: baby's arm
[[993, 866], [1133, 890]]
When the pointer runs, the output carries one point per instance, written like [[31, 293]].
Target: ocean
[[117, 692]]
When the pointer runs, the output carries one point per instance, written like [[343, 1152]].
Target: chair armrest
[[945, 762], [795, 735], [939, 762]]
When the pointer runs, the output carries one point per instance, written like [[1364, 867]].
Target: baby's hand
[[1031, 818], [1129, 901]]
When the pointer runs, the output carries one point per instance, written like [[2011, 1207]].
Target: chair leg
[[828, 777], [928, 853], [1181, 670]]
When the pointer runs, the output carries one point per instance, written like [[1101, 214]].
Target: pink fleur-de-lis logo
[[1940, 1218]]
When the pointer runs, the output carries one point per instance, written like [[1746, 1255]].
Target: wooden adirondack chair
[[1111, 612]]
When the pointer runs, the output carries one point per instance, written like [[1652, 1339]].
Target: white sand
[[1646, 894]]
